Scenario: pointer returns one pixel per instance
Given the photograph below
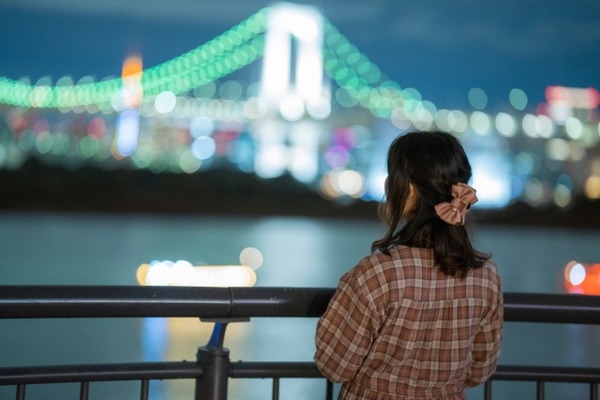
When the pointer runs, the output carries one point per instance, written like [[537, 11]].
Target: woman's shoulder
[[487, 276], [490, 268], [396, 257]]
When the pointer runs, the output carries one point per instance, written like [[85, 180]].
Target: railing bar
[[540, 390], [21, 392], [84, 391], [275, 388], [593, 391], [133, 301], [99, 372], [329, 393], [487, 390], [534, 373], [251, 369], [145, 389]]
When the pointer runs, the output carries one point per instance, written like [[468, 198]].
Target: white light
[[544, 126], [491, 178], [529, 124], [159, 274], [165, 102], [183, 273], [422, 118], [458, 121], [320, 109], [291, 108], [303, 164], [271, 160], [309, 71], [351, 183], [577, 274], [276, 65], [574, 128], [442, 120], [225, 276], [480, 122], [506, 124], [251, 257], [305, 25]]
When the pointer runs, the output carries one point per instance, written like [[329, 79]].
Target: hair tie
[[454, 212]]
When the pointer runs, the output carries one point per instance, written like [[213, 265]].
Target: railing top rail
[[236, 302]]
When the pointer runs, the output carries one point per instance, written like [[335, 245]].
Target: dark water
[[106, 250]]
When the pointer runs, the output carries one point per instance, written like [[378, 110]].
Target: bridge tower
[[292, 75], [294, 92]]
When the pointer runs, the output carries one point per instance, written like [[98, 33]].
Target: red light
[[587, 98], [593, 97], [555, 94]]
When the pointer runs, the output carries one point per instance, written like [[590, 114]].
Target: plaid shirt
[[399, 328]]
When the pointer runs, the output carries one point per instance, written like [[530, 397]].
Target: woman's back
[[422, 328]]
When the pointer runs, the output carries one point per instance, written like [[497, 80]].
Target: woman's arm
[[344, 332], [487, 344]]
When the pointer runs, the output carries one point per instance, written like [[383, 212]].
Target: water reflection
[[90, 249]]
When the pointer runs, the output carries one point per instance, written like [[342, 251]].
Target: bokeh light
[[251, 257], [183, 273], [505, 124], [480, 123], [518, 99], [165, 102], [580, 278], [478, 99], [204, 147]]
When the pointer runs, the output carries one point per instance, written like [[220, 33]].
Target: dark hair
[[432, 162]]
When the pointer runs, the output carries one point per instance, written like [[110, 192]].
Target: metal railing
[[224, 305]]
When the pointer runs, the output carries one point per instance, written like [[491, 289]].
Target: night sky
[[441, 48]]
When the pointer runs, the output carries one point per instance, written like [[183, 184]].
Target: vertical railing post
[[329, 392], [215, 362], [21, 392], [487, 390]]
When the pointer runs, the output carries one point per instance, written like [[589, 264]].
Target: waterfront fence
[[222, 306]]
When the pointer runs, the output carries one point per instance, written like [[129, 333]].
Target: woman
[[421, 317]]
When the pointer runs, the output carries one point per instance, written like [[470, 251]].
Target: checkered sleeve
[[344, 332], [487, 344]]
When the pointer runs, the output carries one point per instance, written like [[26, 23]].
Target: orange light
[[132, 78], [582, 278], [132, 66]]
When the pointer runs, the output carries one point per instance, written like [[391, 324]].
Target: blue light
[[128, 127]]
